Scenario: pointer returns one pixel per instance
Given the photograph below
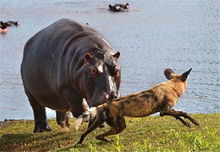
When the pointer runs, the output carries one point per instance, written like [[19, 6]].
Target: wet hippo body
[[68, 67]]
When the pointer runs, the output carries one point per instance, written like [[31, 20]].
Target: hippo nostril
[[113, 96], [109, 96], [118, 95]]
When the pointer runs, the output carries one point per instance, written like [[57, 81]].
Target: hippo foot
[[37, 130], [64, 125]]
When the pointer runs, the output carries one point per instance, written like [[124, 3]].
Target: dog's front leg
[[91, 122], [117, 125], [101, 137], [96, 123]]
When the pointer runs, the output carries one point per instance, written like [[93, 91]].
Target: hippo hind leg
[[62, 119], [40, 117]]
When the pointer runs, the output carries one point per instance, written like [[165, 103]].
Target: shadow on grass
[[28, 141], [14, 136]]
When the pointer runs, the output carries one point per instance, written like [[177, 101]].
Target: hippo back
[[53, 58]]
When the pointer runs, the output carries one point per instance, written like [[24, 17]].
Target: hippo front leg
[[40, 117], [75, 101]]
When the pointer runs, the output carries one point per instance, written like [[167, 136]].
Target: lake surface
[[152, 36]]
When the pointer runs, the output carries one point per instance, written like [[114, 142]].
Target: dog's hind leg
[[177, 115], [117, 126], [185, 115], [183, 121]]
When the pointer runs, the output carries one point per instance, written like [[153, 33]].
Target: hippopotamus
[[68, 67], [119, 7]]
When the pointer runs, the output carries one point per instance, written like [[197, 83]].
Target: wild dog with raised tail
[[161, 98]]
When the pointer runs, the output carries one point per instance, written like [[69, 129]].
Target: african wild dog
[[161, 98]]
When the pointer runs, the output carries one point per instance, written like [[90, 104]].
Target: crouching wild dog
[[161, 98]]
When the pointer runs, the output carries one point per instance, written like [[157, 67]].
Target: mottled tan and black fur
[[161, 98]]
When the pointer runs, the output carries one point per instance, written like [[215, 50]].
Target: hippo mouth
[[98, 99]]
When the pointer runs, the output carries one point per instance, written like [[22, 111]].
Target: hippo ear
[[185, 75], [169, 73], [87, 57], [116, 55]]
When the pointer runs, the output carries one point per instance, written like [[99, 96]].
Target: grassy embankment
[[142, 134]]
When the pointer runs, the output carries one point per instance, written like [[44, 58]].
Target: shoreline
[[6, 122], [156, 114]]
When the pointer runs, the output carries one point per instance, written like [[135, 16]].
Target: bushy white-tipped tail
[[85, 117]]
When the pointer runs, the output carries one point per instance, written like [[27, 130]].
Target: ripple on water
[[152, 36]]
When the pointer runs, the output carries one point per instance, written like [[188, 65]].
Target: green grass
[[147, 134]]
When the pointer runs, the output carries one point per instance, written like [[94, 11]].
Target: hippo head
[[100, 77]]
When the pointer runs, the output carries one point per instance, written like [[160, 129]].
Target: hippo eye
[[114, 71], [111, 70], [94, 73]]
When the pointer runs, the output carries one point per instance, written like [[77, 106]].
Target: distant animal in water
[[161, 98], [4, 25], [119, 7], [8, 23], [3, 28], [11, 23]]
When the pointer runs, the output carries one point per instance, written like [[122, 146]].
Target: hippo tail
[[88, 115]]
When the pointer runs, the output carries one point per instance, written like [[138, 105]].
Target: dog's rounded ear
[[169, 73], [185, 75]]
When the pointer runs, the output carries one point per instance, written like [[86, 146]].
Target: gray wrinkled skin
[[64, 63]]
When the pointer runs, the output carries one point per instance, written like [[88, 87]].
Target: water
[[154, 35]]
